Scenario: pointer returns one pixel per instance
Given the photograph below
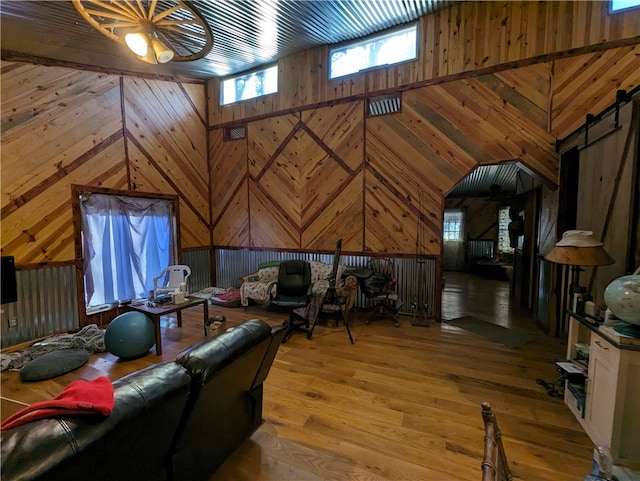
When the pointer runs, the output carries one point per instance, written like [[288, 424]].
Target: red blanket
[[79, 397]]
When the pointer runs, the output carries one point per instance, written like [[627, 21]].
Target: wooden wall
[[63, 126], [494, 82], [302, 179], [461, 40]]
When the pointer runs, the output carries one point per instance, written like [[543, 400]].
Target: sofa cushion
[[54, 363]]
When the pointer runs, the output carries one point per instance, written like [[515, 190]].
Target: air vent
[[235, 133], [384, 105]]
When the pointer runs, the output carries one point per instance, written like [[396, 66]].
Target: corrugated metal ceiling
[[489, 180], [247, 34]]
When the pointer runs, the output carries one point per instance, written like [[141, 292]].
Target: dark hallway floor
[[487, 299]]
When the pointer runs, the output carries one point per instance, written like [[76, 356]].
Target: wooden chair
[[494, 464]]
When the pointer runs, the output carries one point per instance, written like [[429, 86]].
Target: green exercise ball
[[130, 335]]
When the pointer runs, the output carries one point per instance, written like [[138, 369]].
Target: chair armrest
[[270, 288]]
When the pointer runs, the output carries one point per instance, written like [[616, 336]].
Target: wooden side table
[[156, 312]]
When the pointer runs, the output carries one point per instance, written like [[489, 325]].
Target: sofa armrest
[[277, 336], [206, 358]]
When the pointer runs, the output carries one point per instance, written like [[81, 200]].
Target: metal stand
[[418, 305], [331, 304], [333, 307]]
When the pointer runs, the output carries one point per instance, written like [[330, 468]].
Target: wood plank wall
[[64, 126], [442, 133], [495, 82], [362, 177], [464, 39]]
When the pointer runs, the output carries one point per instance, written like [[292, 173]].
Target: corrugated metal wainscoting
[[199, 262], [46, 305], [233, 264]]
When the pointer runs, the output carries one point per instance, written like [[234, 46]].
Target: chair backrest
[[383, 265], [494, 463], [294, 277], [177, 274]]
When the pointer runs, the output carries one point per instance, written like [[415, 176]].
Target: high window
[[453, 225], [381, 50], [126, 242], [617, 5], [249, 86]]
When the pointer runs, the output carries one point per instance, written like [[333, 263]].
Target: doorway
[[491, 268]]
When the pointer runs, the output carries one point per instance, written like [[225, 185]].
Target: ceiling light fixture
[[155, 31]]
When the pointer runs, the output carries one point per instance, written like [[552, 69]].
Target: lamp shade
[[163, 53], [579, 248], [137, 43], [579, 256]]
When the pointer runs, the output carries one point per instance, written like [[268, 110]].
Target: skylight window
[[379, 51], [617, 5], [249, 86]]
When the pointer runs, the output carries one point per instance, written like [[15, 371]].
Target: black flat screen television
[[8, 288]]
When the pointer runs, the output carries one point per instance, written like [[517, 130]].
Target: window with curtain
[[126, 242], [504, 241], [453, 223]]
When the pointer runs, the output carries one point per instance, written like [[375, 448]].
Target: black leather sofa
[[171, 421]]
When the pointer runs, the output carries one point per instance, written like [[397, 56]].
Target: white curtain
[[453, 236], [127, 241]]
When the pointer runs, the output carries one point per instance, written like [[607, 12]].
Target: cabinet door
[[601, 391]]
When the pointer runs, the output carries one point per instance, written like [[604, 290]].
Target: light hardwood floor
[[400, 404]]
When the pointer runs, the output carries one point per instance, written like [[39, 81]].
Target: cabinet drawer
[[603, 349]]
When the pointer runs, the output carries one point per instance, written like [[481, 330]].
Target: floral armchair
[[255, 286]]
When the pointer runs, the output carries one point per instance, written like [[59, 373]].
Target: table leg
[[156, 321], [205, 310], [179, 315]]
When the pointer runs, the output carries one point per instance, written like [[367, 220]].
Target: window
[[249, 86], [387, 49], [617, 5], [126, 242], [453, 222], [504, 241]]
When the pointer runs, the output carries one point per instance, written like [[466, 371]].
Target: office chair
[[381, 288], [293, 291]]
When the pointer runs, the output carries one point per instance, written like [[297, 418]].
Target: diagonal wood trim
[[168, 179], [61, 173], [195, 109], [277, 152], [231, 198], [336, 193], [31, 235], [327, 149], [277, 207], [420, 215]]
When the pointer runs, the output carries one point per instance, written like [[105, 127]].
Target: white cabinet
[[611, 412]]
